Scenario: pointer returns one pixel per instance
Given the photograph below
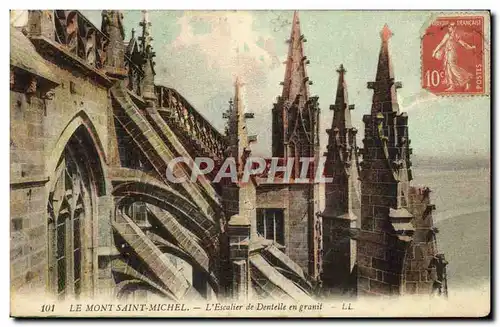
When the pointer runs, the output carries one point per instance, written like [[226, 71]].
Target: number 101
[[48, 307]]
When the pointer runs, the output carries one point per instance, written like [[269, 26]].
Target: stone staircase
[[169, 276], [286, 267], [151, 144], [273, 282], [185, 239], [121, 266], [178, 146]]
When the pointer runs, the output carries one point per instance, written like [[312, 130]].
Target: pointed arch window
[[68, 206]]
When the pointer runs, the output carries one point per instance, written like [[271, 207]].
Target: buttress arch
[[77, 181], [81, 122]]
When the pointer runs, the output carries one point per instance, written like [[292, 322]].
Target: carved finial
[[112, 19], [146, 32], [341, 69], [384, 87], [238, 82], [386, 33], [145, 16], [341, 116], [148, 54]]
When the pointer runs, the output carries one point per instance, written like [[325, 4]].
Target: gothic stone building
[[94, 214]]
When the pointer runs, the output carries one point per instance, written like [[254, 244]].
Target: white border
[[192, 4]]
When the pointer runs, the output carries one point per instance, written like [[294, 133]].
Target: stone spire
[[132, 45], [384, 87], [296, 81], [295, 136], [239, 139], [296, 113], [342, 114], [386, 134], [342, 194], [148, 86], [342, 135], [395, 217], [342, 200], [238, 199], [112, 27], [146, 37]]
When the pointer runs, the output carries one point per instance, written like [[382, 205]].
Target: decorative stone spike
[[148, 55], [340, 213], [112, 27], [341, 69], [386, 33], [295, 94]]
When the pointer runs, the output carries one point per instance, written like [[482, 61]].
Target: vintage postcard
[[250, 163]]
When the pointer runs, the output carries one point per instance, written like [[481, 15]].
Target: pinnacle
[[238, 82], [384, 87], [238, 97], [341, 69], [146, 37], [236, 124], [296, 81], [237, 93], [296, 21], [385, 33], [341, 97], [145, 16], [342, 115]]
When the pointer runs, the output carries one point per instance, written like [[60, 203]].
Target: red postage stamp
[[453, 60]]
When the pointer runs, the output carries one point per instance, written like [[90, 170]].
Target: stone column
[[115, 50], [239, 240], [41, 23]]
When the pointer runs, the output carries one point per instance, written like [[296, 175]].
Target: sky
[[200, 53]]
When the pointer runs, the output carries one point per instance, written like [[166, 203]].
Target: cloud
[[228, 43], [213, 48], [406, 104]]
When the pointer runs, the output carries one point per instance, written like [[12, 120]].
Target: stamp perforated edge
[[486, 49]]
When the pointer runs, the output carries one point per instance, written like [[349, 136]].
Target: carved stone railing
[[80, 37], [183, 118], [73, 41]]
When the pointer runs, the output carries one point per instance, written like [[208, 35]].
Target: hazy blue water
[[462, 199]]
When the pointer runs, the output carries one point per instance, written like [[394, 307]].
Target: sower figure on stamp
[[454, 74]]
